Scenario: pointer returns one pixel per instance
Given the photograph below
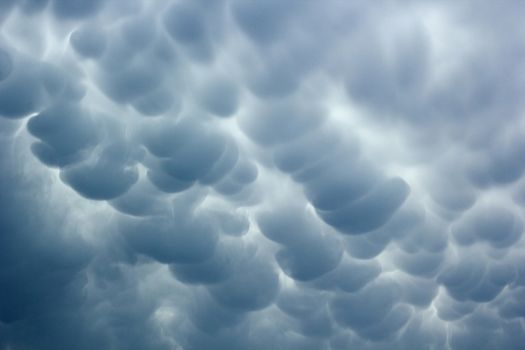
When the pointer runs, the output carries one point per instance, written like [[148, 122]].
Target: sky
[[262, 174]]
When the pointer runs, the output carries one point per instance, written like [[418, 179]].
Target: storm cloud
[[239, 174]]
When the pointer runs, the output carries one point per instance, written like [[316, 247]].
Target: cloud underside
[[241, 174]]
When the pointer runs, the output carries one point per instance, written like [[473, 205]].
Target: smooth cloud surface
[[242, 174]]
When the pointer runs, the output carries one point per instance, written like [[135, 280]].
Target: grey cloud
[[107, 177], [337, 185], [499, 227], [310, 259], [349, 276], [167, 183], [130, 82], [227, 255], [67, 134], [367, 247], [306, 151], [189, 152], [306, 254], [231, 223], [211, 317], [371, 211], [371, 311], [157, 102], [76, 8], [139, 32], [171, 240], [253, 175], [471, 280], [88, 42], [196, 158], [419, 292], [142, 199], [6, 64], [219, 96], [186, 24], [253, 286], [310, 312], [21, 92], [292, 117], [262, 22], [33, 6], [501, 164], [42, 269]]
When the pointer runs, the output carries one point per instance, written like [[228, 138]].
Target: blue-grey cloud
[[250, 175]]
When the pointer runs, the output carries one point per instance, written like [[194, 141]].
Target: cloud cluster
[[244, 174]]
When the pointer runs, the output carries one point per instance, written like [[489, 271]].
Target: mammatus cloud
[[242, 174]]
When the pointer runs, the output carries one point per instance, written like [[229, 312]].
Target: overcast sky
[[262, 174]]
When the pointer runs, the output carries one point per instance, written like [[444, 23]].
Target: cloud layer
[[244, 174]]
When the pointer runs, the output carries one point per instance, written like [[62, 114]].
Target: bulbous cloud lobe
[[240, 174]]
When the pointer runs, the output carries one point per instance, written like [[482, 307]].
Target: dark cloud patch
[[186, 24], [310, 259], [513, 307], [218, 268], [109, 176], [349, 276], [60, 84], [21, 91], [6, 64], [470, 280], [190, 152], [275, 79], [131, 82], [307, 253], [245, 172], [371, 211], [167, 183], [211, 317], [139, 32], [292, 117], [187, 238], [232, 223], [367, 247], [421, 263], [501, 163], [165, 138], [195, 159], [372, 311], [224, 164], [264, 22], [42, 267], [157, 102], [219, 96], [497, 226], [423, 330], [26, 90], [452, 193], [310, 312], [306, 152], [76, 9], [88, 42], [143, 199], [337, 185], [67, 133], [33, 6], [385, 80], [253, 285], [237, 180], [419, 292]]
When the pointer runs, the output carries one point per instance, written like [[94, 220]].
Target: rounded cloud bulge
[[238, 174]]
